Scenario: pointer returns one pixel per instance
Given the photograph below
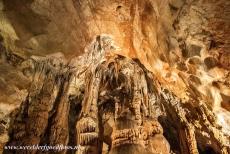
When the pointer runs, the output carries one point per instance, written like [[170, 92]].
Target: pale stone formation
[[115, 76], [121, 107]]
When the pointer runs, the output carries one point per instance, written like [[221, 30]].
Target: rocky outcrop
[[117, 91], [43, 116], [13, 91], [124, 108], [142, 76]]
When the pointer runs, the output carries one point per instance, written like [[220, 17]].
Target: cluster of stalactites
[[121, 81], [46, 107]]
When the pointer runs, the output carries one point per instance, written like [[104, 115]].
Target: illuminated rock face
[[144, 76], [108, 103]]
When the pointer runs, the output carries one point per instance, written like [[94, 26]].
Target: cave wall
[[185, 43]]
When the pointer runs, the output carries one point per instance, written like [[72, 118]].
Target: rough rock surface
[[115, 76]]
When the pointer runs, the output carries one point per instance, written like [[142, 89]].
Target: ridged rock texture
[[115, 76]]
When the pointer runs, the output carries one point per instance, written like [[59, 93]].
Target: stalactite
[[122, 103], [48, 92]]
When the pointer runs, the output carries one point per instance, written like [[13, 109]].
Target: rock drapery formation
[[154, 77], [123, 108]]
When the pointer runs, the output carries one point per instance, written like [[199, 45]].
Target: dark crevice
[[75, 109]]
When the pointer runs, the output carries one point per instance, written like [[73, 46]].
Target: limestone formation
[[115, 76]]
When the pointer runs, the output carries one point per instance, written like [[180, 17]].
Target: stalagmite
[[114, 77]]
